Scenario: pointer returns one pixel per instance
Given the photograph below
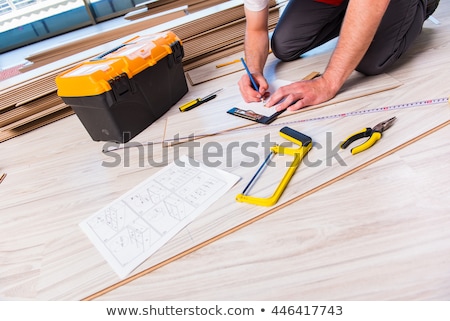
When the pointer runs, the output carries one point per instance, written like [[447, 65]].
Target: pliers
[[374, 135]]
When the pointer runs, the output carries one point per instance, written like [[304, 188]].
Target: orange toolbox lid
[[92, 77]]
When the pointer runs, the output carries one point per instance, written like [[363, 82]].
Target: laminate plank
[[213, 56], [36, 116], [29, 109], [44, 118]]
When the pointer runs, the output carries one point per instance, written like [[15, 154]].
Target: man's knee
[[283, 50], [283, 55], [372, 65]]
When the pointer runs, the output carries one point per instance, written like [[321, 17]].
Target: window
[[23, 22]]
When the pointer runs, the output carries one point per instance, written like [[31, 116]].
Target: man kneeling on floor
[[372, 37]]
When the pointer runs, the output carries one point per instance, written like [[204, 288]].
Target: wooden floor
[[374, 226]]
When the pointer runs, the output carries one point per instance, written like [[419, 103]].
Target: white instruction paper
[[136, 225]]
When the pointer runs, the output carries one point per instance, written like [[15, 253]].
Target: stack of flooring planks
[[33, 103], [30, 105]]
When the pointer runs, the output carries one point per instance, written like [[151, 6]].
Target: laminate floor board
[[386, 243], [380, 233]]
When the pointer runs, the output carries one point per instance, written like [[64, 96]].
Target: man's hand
[[248, 92], [301, 94]]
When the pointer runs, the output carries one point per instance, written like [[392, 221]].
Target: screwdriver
[[197, 102]]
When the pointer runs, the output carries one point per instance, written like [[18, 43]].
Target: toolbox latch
[[120, 85], [177, 52]]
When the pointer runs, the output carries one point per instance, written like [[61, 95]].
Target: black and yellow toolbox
[[121, 92]]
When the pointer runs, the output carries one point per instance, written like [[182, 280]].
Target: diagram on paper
[[133, 227]]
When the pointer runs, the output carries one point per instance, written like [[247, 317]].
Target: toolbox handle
[[177, 53], [99, 57]]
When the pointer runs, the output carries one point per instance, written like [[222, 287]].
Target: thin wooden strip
[[219, 38], [2, 177], [265, 214], [206, 51], [89, 41], [35, 116], [31, 91]]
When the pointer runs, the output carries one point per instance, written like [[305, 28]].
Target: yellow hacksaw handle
[[298, 154]]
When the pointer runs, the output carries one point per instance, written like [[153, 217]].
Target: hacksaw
[[305, 144]]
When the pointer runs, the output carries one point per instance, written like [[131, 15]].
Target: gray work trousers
[[307, 24]]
